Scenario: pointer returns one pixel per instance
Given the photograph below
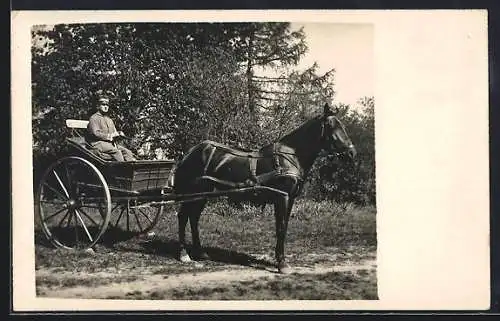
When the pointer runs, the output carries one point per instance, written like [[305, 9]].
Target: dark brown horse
[[280, 168]]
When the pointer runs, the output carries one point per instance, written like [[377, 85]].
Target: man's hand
[[117, 135]]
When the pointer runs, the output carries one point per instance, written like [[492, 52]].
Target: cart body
[[82, 195]]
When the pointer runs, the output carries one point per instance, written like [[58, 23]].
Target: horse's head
[[334, 135]]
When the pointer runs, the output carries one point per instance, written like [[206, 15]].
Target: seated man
[[103, 134]]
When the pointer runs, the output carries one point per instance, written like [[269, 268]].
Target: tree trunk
[[249, 75]]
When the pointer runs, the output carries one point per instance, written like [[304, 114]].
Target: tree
[[293, 98], [265, 45], [341, 180], [177, 84], [163, 83], [173, 84]]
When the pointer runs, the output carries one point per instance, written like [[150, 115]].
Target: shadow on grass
[[41, 240], [109, 238], [233, 257], [114, 235], [170, 249]]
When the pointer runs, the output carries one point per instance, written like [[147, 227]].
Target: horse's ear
[[328, 111]]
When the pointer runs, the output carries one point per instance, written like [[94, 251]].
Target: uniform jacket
[[100, 128]]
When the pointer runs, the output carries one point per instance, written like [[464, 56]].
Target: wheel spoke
[[69, 219], [138, 222], [119, 217], [54, 214], [53, 202], [146, 216], [114, 208], [83, 225], [68, 177], [64, 218], [89, 217], [76, 229], [55, 191], [128, 216], [61, 183]]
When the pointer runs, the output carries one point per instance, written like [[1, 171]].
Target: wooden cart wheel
[[73, 203], [133, 218]]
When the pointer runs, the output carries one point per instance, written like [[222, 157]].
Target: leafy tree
[[294, 98], [341, 180], [262, 46], [176, 84], [168, 79]]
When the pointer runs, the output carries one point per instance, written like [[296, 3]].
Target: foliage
[[293, 98], [177, 84], [341, 180]]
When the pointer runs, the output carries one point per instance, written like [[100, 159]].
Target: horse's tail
[[190, 167], [192, 150]]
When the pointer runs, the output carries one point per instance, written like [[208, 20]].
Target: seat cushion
[[100, 154], [84, 146]]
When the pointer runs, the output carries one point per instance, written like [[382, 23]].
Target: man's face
[[103, 105]]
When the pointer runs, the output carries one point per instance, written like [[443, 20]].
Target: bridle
[[327, 140]]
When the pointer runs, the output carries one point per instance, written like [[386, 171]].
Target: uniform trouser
[[119, 153]]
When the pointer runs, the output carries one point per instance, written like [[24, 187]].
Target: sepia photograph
[[312, 160], [253, 133]]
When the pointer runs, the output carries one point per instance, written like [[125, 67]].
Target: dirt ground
[[317, 274], [331, 249]]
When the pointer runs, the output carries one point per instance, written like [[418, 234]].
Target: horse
[[280, 168]]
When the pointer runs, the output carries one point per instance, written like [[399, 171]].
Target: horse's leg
[[182, 217], [281, 210], [194, 218], [288, 213]]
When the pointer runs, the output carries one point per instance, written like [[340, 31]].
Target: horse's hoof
[[285, 269], [90, 251], [184, 257]]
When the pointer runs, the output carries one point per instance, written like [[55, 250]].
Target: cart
[[83, 196]]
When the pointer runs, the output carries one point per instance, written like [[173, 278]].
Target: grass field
[[323, 237]]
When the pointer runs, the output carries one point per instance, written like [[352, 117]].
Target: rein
[[323, 138]]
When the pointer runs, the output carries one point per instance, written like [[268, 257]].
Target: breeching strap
[[252, 160], [209, 159], [253, 168]]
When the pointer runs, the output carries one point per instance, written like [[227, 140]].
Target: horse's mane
[[303, 126]]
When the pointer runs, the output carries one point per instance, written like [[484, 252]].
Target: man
[[103, 134]]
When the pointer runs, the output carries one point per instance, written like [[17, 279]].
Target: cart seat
[[79, 128], [86, 148]]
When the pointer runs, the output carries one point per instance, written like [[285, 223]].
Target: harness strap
[[223, 182], [276, 158], [259, 179], [262, 178], [253, 168], [209, 159]]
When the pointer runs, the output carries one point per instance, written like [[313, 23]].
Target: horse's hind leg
[[189, 211], [194, 217]]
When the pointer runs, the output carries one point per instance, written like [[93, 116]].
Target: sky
[[349, 48]]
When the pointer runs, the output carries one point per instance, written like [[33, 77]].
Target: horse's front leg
[[182, 217], [281, 212]]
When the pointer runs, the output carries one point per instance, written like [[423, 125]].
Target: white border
[[431, 152]]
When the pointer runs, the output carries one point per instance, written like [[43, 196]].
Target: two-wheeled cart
[[82, 195]]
